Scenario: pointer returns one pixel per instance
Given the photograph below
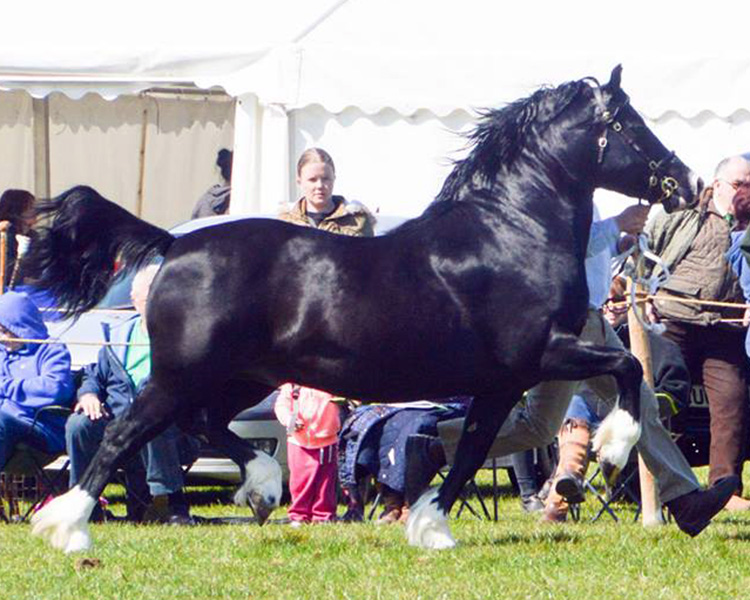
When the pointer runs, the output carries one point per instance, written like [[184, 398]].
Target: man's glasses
[[735, 185]]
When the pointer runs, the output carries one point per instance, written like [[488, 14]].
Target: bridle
[[657, 177]]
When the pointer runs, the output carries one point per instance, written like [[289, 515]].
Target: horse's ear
[[614, 78]]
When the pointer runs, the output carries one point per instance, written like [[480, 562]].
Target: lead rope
[[640, 253]]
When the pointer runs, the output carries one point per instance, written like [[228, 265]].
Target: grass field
[[515, 557]]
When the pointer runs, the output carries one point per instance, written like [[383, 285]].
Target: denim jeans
[[583, 408], [161, 456], [44, 436]]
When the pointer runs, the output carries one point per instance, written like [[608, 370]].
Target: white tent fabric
[[383, 83], [81, 46], [99, 143], [436, 56]]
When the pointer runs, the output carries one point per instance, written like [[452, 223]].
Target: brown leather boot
[[392, 505], [404, 514], [555, 508], [573, 440]]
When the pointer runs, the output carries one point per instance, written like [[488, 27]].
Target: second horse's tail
[[84, 238]]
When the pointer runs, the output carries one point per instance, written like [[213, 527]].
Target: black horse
[[483, 295]]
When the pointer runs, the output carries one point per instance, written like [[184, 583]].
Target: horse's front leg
[[427, 525], [64, 520], [569, 358]]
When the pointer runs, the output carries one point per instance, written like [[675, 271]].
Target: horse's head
[[631, 159]]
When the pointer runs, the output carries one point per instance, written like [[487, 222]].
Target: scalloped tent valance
[[376, 54]]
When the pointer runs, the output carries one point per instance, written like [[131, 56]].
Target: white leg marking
[[262, 486], [427, 525], [615, 438], [64, 521]]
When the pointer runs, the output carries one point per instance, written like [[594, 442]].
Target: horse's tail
[[83, 241]]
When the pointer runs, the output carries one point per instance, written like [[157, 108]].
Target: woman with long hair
[[17, 217]]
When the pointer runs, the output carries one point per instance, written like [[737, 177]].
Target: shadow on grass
[[738, 536], [513, 539]]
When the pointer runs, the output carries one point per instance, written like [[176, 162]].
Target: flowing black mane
[[495, 142], [501, 134]]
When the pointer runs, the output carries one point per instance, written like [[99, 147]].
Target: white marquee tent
[[382, 84]]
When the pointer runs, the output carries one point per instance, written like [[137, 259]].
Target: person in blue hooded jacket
[[32, 376]]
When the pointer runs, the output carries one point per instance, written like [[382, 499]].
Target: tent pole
[[142, 158], [246, 163], [40, 111]]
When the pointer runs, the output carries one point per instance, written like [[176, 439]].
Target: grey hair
[[145, 276]]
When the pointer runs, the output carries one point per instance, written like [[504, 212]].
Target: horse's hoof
[[77, 542], [262, 512], [427, 525], [615, 438], [261, 489], [63, 522]]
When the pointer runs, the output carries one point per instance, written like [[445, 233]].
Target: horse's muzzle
[[675, 203]]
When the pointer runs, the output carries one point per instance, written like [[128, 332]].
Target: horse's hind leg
[[261, 474], [427, 525], [64, 520]]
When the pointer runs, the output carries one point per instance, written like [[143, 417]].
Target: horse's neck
[[549, 196]]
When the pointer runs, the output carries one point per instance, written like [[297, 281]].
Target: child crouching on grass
[[312, 423]]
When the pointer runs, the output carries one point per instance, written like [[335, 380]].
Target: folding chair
[[450, 431], [470, 488], [623, 490], [28, 462], [629, 479]]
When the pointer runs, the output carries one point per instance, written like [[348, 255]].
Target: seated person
[[109, 387], [586, 411], [397, 444], [32, 376]]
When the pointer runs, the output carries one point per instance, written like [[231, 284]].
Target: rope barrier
[[114, 311], [643, 298], [71, 343]]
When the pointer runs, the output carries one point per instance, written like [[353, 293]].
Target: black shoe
[[693, 511], [355, 514], [532, 504], [179, 520], [570, 487]]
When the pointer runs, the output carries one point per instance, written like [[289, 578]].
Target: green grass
[[514, 558]]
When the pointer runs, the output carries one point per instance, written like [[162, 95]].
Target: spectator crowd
[[334, 443]]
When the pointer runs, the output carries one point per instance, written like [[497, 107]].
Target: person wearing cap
[[33, 375]]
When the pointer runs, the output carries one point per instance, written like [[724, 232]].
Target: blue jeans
[[161, 456], [583, 407], [45, 436]]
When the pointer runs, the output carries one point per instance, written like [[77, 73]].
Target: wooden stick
[[641, 349], [3, 258], [142, 159]]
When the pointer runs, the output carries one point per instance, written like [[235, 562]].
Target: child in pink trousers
[[312, 423]]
